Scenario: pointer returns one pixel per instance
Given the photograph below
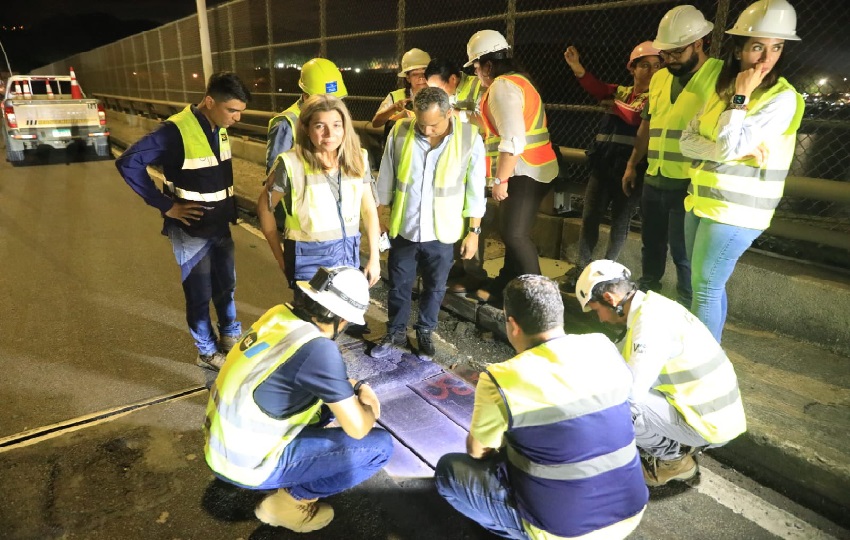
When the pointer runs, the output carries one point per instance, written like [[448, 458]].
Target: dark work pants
[[434, 260], [663, 222], [605, 187], [517, 215]]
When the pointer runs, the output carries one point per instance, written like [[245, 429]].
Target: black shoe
[[388, 344], [426, 345]]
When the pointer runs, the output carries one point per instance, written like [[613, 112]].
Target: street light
[[8, 66]]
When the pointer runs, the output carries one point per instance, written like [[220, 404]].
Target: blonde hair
[[348, 154]]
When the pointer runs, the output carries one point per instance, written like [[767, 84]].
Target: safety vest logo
[[246, 342], [223, 137]]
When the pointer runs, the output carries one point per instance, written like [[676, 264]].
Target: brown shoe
[[212, 361], [658, 472], [280, 509]]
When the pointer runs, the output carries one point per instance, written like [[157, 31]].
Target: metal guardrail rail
[[795, 186]]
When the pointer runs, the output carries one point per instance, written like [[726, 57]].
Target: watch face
[[738, 99]]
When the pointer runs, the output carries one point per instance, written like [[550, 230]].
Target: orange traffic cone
[[49, 89], [76, 93], [27, 93]]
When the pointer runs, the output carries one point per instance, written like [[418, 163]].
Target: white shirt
[[739, 133]]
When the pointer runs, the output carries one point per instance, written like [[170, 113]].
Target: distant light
[[194, 75], [134, 73], [822, 81], [280, 65], [280, 89], [356, 70]]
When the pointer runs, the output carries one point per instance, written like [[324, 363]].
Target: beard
[[685, 67]]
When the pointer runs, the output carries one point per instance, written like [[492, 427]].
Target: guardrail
[[819, 189]]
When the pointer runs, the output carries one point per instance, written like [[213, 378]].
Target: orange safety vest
[[538, 150]]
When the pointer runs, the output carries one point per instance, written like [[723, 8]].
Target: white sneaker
[[280, 509]]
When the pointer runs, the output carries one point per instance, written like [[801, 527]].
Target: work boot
[[426, 345], [212, 361], [225, 343], [280, 509], [388, 344], [657, 472]]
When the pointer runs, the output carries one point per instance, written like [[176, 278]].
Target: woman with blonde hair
[[325, 184]]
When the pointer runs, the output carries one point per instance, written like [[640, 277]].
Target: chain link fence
[[266, 42]]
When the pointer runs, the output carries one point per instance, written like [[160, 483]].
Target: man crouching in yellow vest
[[685, 393], [269, 405]]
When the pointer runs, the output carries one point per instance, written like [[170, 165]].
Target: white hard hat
[[767, 19], [595, 273], [343, 290], [681, 26], [484, 42], [414, 59]]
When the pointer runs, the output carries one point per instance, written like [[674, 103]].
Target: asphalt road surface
[[100, 435]]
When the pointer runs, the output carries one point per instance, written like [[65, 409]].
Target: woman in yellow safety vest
[[399, 103], [520, 160], [325, 184], [742, 144]]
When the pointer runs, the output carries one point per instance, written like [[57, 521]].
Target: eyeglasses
[[675, 53]]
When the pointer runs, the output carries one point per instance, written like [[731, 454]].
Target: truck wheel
[[14, 156]]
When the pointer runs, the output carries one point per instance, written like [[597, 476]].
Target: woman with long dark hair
[[742, 144], [520, 159]]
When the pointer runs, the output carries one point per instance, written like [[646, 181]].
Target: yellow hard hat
[[414, 59], [321, 76]]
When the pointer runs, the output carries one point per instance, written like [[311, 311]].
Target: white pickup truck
[[43, 110]]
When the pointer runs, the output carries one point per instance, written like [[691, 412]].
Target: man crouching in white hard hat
[[684, 394], [276, 391]]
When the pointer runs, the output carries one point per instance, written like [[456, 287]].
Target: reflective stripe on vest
[[243, 443], [742, 193], [291, 115], [668, 119], [196, 147], [570, 436], [700, 381], [449, 178], [538, 150], [196, 196], [315, 216], [614, 138]]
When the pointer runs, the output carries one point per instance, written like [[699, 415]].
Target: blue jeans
[[434, 260], [321, 462], [662, 222], [714, 249], [477, 489], [213, 278]]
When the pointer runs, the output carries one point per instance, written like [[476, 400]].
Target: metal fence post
[[400, 37], [323, 28], [269, 55], [182, 69], [511, 23]]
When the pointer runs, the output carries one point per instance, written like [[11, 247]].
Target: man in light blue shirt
[[433, 176]]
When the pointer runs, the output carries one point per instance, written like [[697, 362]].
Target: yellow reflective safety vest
[[538, 150], [204, 177], [468, 92], [291, 115], [571, 456], [740, 192], [700, 381], [243, 443], [449, 178], [668, 119], [315, 215]]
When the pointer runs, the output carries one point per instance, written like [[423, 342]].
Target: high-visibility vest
[[204, 177], [449, 178], [740, 192], [468, 92], [699, 381], [243, 443], [571, 456], [538, 150], [400, 95], [291, 115], [315, 215], [669, 119]]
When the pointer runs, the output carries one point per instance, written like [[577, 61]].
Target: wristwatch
[[498, 181], [739, 102], [474, 230]]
